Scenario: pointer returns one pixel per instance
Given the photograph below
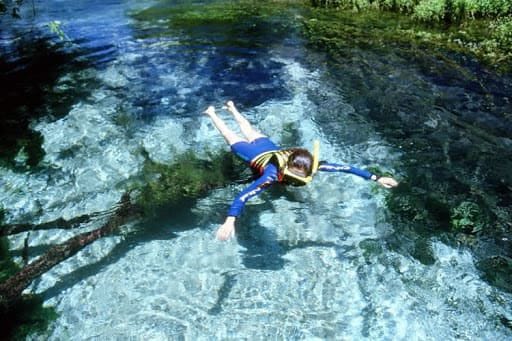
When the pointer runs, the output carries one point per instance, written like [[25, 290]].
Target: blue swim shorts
[[249, 150]]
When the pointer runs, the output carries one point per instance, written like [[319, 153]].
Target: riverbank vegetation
[[482, 27]]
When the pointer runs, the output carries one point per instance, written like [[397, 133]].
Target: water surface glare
[[307, 263]]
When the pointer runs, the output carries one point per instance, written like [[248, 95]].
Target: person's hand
[[387, 182], [226, 230]]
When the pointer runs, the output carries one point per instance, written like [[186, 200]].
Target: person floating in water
[[273, 164]]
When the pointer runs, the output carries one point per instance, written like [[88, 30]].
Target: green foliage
[[502, 33], [490, 8], [326, 3], [403, 6], [430, 11]]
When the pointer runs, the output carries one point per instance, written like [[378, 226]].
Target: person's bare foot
[[230, 106], [209, 111]]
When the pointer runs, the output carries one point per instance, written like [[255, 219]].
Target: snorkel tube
[[316, 155]]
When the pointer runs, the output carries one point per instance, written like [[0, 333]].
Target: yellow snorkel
[[316, 155]]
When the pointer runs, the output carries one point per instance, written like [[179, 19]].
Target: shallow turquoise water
[[309, 263]]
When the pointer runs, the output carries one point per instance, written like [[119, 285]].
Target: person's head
[[300, 162]]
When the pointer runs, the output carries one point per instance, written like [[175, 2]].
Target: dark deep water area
[[450, 117], [341, 259]]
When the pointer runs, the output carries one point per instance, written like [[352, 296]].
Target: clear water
[[307, 263]]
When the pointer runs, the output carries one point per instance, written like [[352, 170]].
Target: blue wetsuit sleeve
[[333, 167], [268, 177]]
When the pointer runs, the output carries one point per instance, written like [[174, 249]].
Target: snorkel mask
[[298, 180]]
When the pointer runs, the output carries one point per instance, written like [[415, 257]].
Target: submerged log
[[11, 290], [166, 185], [7, 230], [61, 223]]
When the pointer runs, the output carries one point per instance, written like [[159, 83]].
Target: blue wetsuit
[[270, 174]]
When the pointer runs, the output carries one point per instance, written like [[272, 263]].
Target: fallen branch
[[10, 229], [7, 230], [11, 290]]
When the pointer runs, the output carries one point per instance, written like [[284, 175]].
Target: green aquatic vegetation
[[336, 30], [7, 266], [446, 203], [497, 270], [28, 315], [21, 152], [371, 248], [416, 205], [55, 27], [186, 178], [193, 13], [249, 24], [467, 216], [32, 147], [216, 13]]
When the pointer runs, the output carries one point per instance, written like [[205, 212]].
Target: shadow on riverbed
[[40, 78], [261, 248]]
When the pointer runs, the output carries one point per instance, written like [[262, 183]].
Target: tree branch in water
[[61, 223], [12, 288]]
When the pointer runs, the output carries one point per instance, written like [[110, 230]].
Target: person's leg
[[250, 133], [229, 135]]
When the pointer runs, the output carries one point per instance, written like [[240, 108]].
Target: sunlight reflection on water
[[306, 263]]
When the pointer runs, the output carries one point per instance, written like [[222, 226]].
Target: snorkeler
[[272, 164]]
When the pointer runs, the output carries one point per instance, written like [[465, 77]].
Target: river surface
[[320, 262]]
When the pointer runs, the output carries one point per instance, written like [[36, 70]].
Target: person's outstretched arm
[[227, 229], [384, 181]]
